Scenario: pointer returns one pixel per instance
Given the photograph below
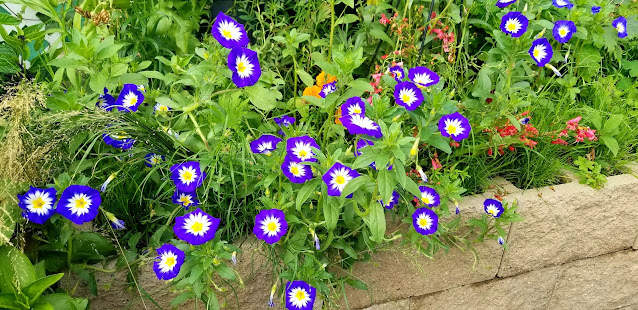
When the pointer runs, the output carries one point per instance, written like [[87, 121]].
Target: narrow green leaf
[[305, 192], [6, 19], [35, 289]]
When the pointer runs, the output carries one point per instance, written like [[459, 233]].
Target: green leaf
[[305, 77], [262, 98], [355, 184], [379, 33], [375, 220], [7, 300], [612, 123], [611, 143], [15, 269], [109, 51], [340, 244], [347, 19], [8, 65], [356, 283], [305, 192], [386, 184], [225, 272], [6, 19], [438, 141], [156, 239], [331, 210], [35, 289], [362, 85], [349, 3]]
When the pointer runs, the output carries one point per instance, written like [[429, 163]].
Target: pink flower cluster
[[580, 132]]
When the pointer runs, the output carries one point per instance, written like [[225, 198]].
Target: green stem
[[332, 26], [199, 131]]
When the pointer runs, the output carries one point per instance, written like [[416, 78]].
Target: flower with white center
[[244, 64], [270, 225], [228, 32], [493, 207], [541, 51], [300, 148], [514, 24], [37, 204], [185, 199], [161, 108], [563, 30], [300, 295], [360, 124], [152, 159], [265, 144], [429, 196], [168, 262], [295, 171], [187, 176], [425, 221], [337, 177], [354, 105], [504, 3], [562, 4], [408, 95], [79, 204], [620, 24], [196, 228], [455, 126], [423, 77], [129, 99]]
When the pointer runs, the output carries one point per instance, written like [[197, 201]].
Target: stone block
[[403, 304], [528, 291], [603, 282]]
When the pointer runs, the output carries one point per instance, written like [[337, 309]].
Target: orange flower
[[324, 78], [338, 116], [312, 91]]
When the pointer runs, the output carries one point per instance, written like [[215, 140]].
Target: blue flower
[[295, 171], [541, 52], [106, 101], [337, 177], [265, 144], [300, 295], [504, 3], [398, 73], [425, 221], [353, 106], [197, 227], [524, 120], [228, 32], [595, 9], [37, 204], [620, 24], [168, 262], [328, 89], [185, 199], [393, 201], [562, 4], [152, 159], [514, 24], [118, 141], [493, 207], [116, 223], [79, 204], [429, 196], [408, 95], [300, 149], [187, 176], [161, 108], [129, 99], [284, 121], [563, 30], [455, 126], [244, 64], [361, 124], [270, 225], [501, 241], [423, 76]]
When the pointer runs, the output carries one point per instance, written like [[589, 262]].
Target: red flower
[[560, 142], [489, 152], [573, 123], [511, 148], [436, 164], [384, 20]]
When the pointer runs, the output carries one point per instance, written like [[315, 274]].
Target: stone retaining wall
[[573, 251]]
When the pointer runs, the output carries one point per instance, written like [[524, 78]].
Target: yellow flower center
[[423, 222], [133, 101], [241, 67], [451, 129], [197, 227], [272, 226], [406, 98], [294, 170], [562, 32], [80, 203], [536, 53], [340, 179], [303, 153], [511, 27], [187, 176], [185, 201], [163, 108], [426, 200], [227, 34], [38, 203], [491, 211], [357, 110], [300, 295], [170, 261]]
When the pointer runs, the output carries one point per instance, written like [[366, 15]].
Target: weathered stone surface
[[571, 221], [399, 272], [604, 282], [523, 292], [403, 304]]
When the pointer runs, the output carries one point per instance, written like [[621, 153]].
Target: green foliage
[[589, 173]]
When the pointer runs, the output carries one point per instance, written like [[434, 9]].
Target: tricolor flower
[[233, 257], [107, 182], [562, 4], [273, 290], [595, 9], [265, 144], [168, 262], [493, 207], [161, 108], [106, 101], [361, 144], [116, 223], [270, 225], [79, 204], [514, 24], [408, 95], [620, 24], [37, 204], [398, 73], [563, 30], [296, 172], [503, 3], [501, 241], [352, 106], [196, 228], [337, 177], [328, 89], [524, 120], [300, 149], [455, 126], [300, 295], [185, 199], [152, 159], [361, 124], [228, 32], [141, 88], [424, 177], [423, 76], [541, 52], [314, 236], [244, 64], [187, 176], [393, 201], [429, 196], [284, 121], [425, 221], [120, 141], [129, 99]]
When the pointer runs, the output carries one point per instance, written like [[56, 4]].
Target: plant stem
[[332, 26], [199, 131]]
